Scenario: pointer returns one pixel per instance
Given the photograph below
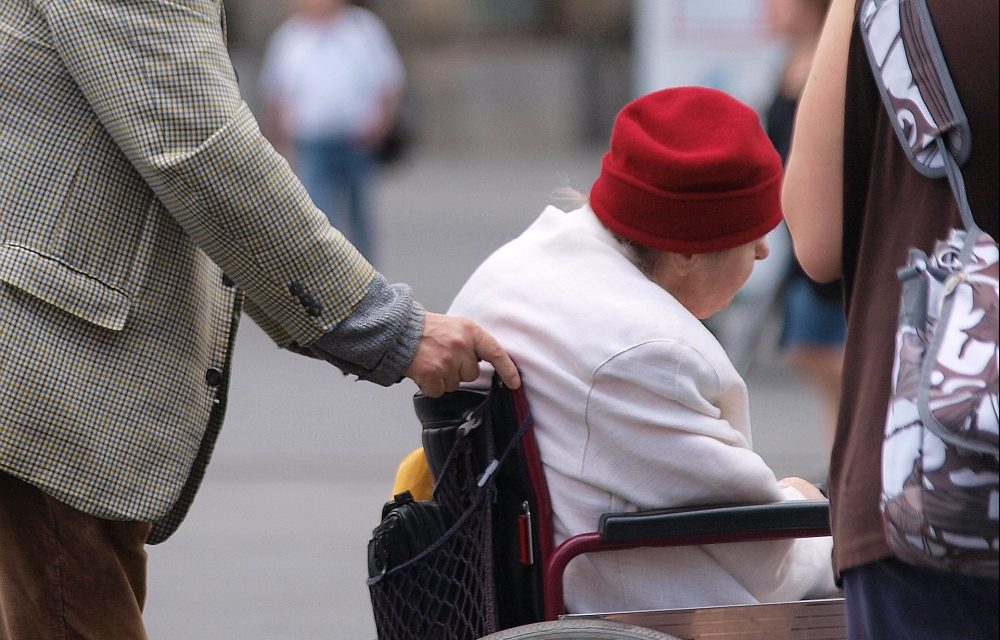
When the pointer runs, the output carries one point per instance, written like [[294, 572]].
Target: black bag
[[408, 527], [515, 529], [444, 587], [446, 590], [396, 144]]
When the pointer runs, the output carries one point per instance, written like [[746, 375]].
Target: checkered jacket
[[136, 191]]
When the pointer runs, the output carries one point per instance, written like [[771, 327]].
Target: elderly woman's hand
[[806, 488]]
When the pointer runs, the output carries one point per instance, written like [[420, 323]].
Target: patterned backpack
[[940, 451]]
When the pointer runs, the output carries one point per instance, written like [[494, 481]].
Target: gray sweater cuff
[[378, 340]]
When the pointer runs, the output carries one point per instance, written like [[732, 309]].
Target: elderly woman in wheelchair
[[635, 403]]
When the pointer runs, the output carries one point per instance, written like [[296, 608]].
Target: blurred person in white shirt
[[332, 81]]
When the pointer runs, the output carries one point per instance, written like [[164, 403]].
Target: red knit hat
[[690, 170]]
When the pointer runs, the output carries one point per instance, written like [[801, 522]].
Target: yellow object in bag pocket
[[414, 475]]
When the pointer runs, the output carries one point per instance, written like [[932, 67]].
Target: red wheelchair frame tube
[[555, 567]]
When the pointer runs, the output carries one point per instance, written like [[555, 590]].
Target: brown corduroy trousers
[[66, 575]]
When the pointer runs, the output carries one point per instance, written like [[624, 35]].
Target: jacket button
[[295, 289], [227, 281], [314, 310], [213, 376]]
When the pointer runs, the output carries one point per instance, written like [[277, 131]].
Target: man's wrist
[[378, 340]]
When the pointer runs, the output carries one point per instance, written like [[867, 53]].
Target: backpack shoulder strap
[[914, 82]]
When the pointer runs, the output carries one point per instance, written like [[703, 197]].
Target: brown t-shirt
[[888, 208]]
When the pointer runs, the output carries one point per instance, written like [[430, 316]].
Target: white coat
[[636, 406]]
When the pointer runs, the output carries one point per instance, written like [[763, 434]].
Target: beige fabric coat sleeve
[[159, 78], [133, 176]]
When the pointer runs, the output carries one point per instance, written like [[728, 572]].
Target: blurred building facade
[[504, 76], [487, 75]]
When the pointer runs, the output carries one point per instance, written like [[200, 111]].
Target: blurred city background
[[507, 100], [516, 76]]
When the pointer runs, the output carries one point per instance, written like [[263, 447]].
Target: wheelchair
[[505, 578]]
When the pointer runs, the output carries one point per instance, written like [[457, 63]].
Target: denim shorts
[[809, 318]]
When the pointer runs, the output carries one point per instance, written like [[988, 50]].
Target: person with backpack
[[855, 206]]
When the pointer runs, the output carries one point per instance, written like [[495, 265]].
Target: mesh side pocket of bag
[[447, 591]]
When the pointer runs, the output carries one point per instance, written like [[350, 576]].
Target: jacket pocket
[[47, 278]]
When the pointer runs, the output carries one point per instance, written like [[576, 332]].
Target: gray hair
[[643, 258]]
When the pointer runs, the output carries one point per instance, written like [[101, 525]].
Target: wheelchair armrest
[[793, 516], [685, 526]]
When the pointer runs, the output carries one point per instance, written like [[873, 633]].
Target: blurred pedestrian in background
[[332, 82], [855, 205], [813, 325]]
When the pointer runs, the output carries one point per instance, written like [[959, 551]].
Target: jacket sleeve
[[158, 77], [659, 436], [376, 341]]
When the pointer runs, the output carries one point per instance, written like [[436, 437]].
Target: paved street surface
[[274, 546]]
